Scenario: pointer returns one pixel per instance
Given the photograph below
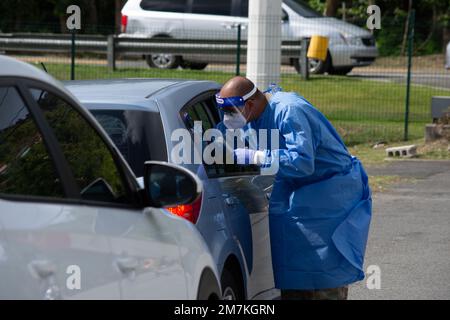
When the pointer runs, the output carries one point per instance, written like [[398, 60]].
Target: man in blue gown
[[320, 206]]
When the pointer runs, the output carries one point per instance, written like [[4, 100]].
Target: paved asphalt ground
[[410, 234], [439, 80]]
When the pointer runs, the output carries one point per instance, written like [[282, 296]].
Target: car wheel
[[315, 66], [163, 61], [231, 290], [340, 71], [208, 288], [193, 65]]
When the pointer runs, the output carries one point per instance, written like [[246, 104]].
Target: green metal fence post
[[72, 65], [412, 19], [238, 51]]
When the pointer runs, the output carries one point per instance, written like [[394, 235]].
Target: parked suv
[[141, 116], [349, 46], [74, 223]]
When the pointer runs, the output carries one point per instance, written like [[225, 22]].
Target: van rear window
[[164, 5]]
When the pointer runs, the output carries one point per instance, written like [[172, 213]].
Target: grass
[[376, 157], [432, 151], [438, 150], [363, 111]]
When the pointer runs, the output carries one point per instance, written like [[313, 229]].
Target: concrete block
[[403, 151]]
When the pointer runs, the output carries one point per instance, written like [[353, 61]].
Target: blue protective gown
[[320, 206]]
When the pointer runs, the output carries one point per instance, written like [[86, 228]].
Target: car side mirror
[[168, 185]]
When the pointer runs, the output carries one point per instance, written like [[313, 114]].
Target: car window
[[139, 135], [199, 109], [164, 5], [89, 158], [26, 167], [206, 112], [244, 8], [222, 8]]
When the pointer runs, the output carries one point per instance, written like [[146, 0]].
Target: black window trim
[[69, 201], [71, 189]]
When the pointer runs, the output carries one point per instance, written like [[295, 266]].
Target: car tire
[[208, 288], [231, 290], [315, 66], [163, 61], [340, 71], [194, 65]]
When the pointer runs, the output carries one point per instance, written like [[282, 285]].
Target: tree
[[117, 15], [331, 8], [406, 32]]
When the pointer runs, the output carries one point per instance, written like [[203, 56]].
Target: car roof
[[131, 94], [132, 88], [10, 67]]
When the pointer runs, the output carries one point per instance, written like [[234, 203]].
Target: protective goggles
[[234, 102]]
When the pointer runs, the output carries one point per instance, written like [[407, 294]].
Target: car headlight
[[336, 39], [353, 41]]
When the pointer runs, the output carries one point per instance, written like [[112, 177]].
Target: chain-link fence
[[368, 96]]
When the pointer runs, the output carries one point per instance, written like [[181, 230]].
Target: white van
[[349, 45]]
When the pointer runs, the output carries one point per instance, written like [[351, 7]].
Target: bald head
[[241, 86], [237, 86]]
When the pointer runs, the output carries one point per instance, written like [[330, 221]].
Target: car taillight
[[189, 212], [124, 22]]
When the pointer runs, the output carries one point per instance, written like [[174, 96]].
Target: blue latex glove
[[244, 156]]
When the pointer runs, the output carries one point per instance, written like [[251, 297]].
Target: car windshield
[[303, 9], [131, 131]]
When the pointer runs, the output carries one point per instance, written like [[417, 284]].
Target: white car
[[447, 57], [349, 46], [74, 224]]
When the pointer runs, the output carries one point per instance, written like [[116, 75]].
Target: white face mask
[[234, 120]]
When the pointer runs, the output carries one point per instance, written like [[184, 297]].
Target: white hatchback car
[[349, 45], [74, 223]]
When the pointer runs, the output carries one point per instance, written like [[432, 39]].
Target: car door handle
[[43, 268], [231, 201], [227, 26], [233, 26], [127, 265]]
